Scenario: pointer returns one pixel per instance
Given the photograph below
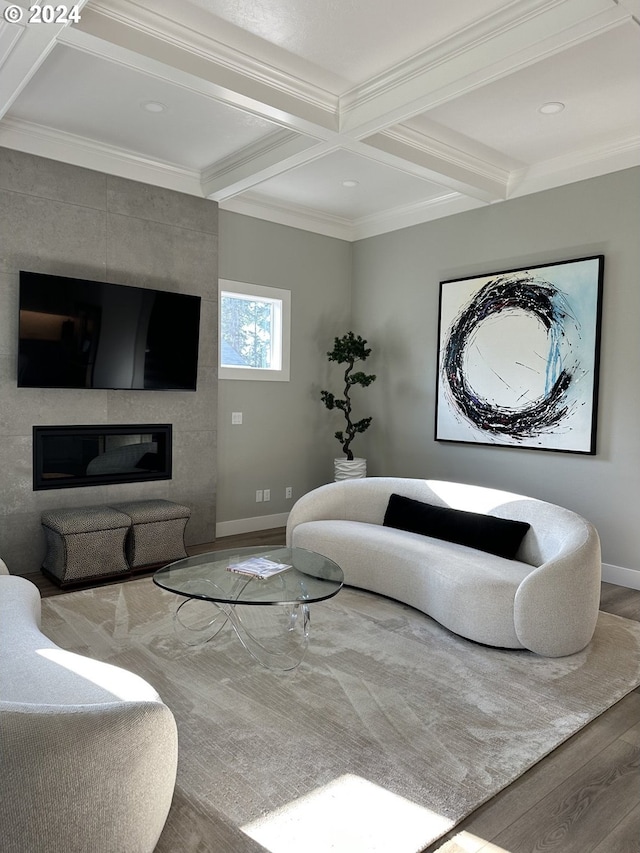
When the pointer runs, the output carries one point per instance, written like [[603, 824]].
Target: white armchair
[[89, 751]]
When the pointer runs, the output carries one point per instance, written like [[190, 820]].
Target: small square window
[[254, 331]]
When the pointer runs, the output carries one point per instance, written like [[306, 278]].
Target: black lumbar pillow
[[500, 536]]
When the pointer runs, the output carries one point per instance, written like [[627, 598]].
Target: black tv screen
[[76, 333]]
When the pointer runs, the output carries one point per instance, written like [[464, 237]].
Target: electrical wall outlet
[[236, 417], [288, 492], [267, 494], [259, 496]]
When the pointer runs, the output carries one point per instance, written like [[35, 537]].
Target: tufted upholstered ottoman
[[156, 533], [84, 543]]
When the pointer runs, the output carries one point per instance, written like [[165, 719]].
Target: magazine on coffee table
[[259, 567]]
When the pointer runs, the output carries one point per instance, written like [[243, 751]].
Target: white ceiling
[[432, 106]]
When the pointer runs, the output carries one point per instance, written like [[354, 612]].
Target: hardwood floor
[[582, 798]]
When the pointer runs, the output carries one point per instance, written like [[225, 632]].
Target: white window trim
[[260, 292]]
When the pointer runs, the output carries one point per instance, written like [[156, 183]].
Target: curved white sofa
[[545, 600], [89, 751]]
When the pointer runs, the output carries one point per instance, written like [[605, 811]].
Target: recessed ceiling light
[[551, 108], [153, 106], [350, 183]]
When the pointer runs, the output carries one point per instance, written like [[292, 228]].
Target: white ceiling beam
[[208, 68], [427, 158], [279, 152], [401, 148], [404, 150], [304, 110], [514, 38], [311, 122], [202, 31]]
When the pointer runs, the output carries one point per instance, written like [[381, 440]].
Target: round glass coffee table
[[269, 615]]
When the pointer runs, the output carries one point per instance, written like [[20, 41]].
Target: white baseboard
[[621, 576], [249, 525]]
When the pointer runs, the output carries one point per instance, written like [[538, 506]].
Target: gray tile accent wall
[[61, 219]]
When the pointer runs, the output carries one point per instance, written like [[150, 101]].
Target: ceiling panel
[[319, 185], [101, 100], [271, 104], [354, 39], [598, 82]]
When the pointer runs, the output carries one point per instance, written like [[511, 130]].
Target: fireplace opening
[[66, 457]]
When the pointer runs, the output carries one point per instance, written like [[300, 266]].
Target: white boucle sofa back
[[545, 600], [553, 528]]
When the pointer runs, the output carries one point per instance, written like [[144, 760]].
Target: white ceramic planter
[[344, 469]]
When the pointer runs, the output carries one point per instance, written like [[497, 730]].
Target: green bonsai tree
[[348, 350]]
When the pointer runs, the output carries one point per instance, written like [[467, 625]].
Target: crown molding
[[591, 162], [413, 214], [86, 153], [80, 151], [252, 204], [469, 37], [519, 35], [169, 30]]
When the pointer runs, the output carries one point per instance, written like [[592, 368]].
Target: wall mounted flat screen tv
[[75, 333]]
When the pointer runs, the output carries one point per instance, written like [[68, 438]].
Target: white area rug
[[392, 727]]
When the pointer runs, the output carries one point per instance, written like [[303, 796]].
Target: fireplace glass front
[[71, 456]]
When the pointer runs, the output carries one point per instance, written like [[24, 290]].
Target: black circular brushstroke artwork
[[507, 293]]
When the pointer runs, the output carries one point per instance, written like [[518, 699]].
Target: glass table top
[[311, 577]]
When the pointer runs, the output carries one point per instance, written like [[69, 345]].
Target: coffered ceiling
[[345, 117]]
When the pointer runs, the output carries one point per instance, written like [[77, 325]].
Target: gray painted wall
[[286, 438], [65, 220], [395, 303], [72, 221]]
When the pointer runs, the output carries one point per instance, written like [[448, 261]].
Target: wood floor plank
[[632, 735], [620, 600], [273, 537], [583, 811], [545, 777], [625, 837]]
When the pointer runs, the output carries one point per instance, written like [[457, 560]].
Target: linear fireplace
[[67, 457]]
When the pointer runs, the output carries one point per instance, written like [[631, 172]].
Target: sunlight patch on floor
[[349, 815]]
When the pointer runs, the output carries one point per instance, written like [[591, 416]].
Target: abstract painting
[[519, 355]]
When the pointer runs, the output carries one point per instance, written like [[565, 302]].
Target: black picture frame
[[519, 357]]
